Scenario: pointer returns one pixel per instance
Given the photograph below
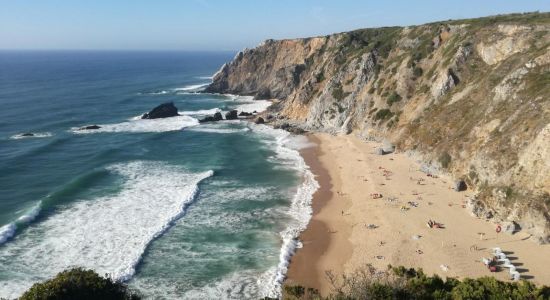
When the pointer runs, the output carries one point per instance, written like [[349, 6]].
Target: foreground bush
[[401, 283], [79, 284]]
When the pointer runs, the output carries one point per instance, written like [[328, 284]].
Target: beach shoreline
[[350, 229]]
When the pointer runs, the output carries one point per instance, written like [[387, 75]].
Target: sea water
[[173, 208]]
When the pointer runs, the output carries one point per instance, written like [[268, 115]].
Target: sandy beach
[[351, 228]]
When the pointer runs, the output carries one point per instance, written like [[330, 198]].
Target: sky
[[213, 25]]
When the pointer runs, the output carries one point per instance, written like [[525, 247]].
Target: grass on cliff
[[401, 283], [518, 18]]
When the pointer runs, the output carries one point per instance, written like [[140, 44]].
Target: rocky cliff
[[469, 98]]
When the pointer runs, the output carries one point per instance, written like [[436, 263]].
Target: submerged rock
[[164, 110], [89, 127], [231, 115]]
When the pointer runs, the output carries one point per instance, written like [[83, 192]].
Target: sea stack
[[164, 110]]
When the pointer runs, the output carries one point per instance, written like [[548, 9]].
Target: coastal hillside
[[469, 98]]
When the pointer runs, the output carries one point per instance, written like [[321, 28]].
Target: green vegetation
[[417, 72], [338, 93], [380, 40], [445, 160], [393, 97], [79, 284], [519, 18], [402, 283], [320, 77], [383, 114]]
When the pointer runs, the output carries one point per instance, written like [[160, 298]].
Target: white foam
[[220, 127], [35, 135], [191, 88], [8, 231], [247, 103], [255, 105], [206, 77], [300, 209], [201, 112], [107, 234], [137, 124]]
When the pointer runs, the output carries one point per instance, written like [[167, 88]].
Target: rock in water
[[164, 110], [460, 185], [217, 117], [245, 114], [27, 134], [260, 120], [232, 115], [89, 127]]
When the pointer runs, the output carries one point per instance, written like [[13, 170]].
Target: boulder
[[259, 120], [388, 148], [89, 127], [296, 130], [27, 134], [216, 117], [460, 185], [510, 227], [380, 151], [164, 110], [245, 114], [231, 115]]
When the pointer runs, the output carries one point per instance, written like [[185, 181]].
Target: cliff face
[[470, 98]]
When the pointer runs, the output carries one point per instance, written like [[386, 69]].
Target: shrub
[[338, 93], [403, 283], [320, 77], [393, 97], [78, 283], [445, 160], [383, 114], [417, 72]]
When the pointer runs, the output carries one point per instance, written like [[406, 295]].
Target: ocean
[[174, 208]]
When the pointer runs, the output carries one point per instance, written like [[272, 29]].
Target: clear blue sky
[[216, 24]]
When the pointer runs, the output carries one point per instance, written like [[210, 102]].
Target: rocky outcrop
[[231, 115], [216, 117], [164, 110], [470, 97], [89, 127], [259, 120]]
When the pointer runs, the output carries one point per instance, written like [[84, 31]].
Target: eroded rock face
[[475, 92], [498, 49], [164, 110]]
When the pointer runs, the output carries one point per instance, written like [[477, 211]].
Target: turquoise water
[[173, 208]]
